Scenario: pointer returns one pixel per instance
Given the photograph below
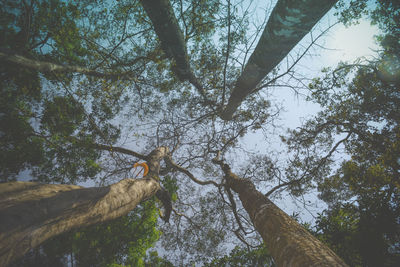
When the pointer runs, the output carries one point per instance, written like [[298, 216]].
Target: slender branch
[[119, 150], [243, 240], [227, 51], [46, 67], [321, 162], [234, 210], [179, 168]]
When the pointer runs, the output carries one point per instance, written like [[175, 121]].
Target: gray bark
[[288, 23], [171, 37], [172, 41], [32, 212]]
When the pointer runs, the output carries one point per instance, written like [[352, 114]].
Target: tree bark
[[172, 41], [287, 241], [32, 212], [168, 31], [288, 23], [46, 67]]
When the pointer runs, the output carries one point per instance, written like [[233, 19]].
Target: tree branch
[[179, 168], [47, 67], [321, 162], [119, 150]]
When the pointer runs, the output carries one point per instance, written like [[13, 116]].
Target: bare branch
[[179, 168], [47, 67], [321, 162]]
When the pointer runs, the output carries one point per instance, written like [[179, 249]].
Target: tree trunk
[[32, 212], [287, 241], [172, 40], [167, 29], [288, 23]]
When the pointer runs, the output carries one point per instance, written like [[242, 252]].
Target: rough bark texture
[[32, 213], [289, 22], [154, 159], [167, 29], [287, 241]]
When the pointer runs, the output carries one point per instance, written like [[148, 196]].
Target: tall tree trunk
[[167, 29], [32, 212], [288, 23], [287, 241], [172, 40]]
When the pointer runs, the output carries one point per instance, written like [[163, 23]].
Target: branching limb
[[234, 210], [47, 67], [179, 168], [119, 150], [321, 162]]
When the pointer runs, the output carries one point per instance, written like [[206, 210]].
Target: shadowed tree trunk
[[32, 212], [172, 40], [287, 241], [288, 23], [167, 29]]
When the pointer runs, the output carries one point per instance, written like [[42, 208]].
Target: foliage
[[244, 257], [153, 260], [362, 237]]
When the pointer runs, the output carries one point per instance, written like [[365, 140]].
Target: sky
[[341, 44], [351, 43]]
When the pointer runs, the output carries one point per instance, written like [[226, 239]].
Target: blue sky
[[340, 44]]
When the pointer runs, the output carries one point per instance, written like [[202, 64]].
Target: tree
[[64, 207], [282, 235], [122, 241], [88, 86]]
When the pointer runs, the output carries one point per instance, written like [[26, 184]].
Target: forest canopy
[[89, 88]]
